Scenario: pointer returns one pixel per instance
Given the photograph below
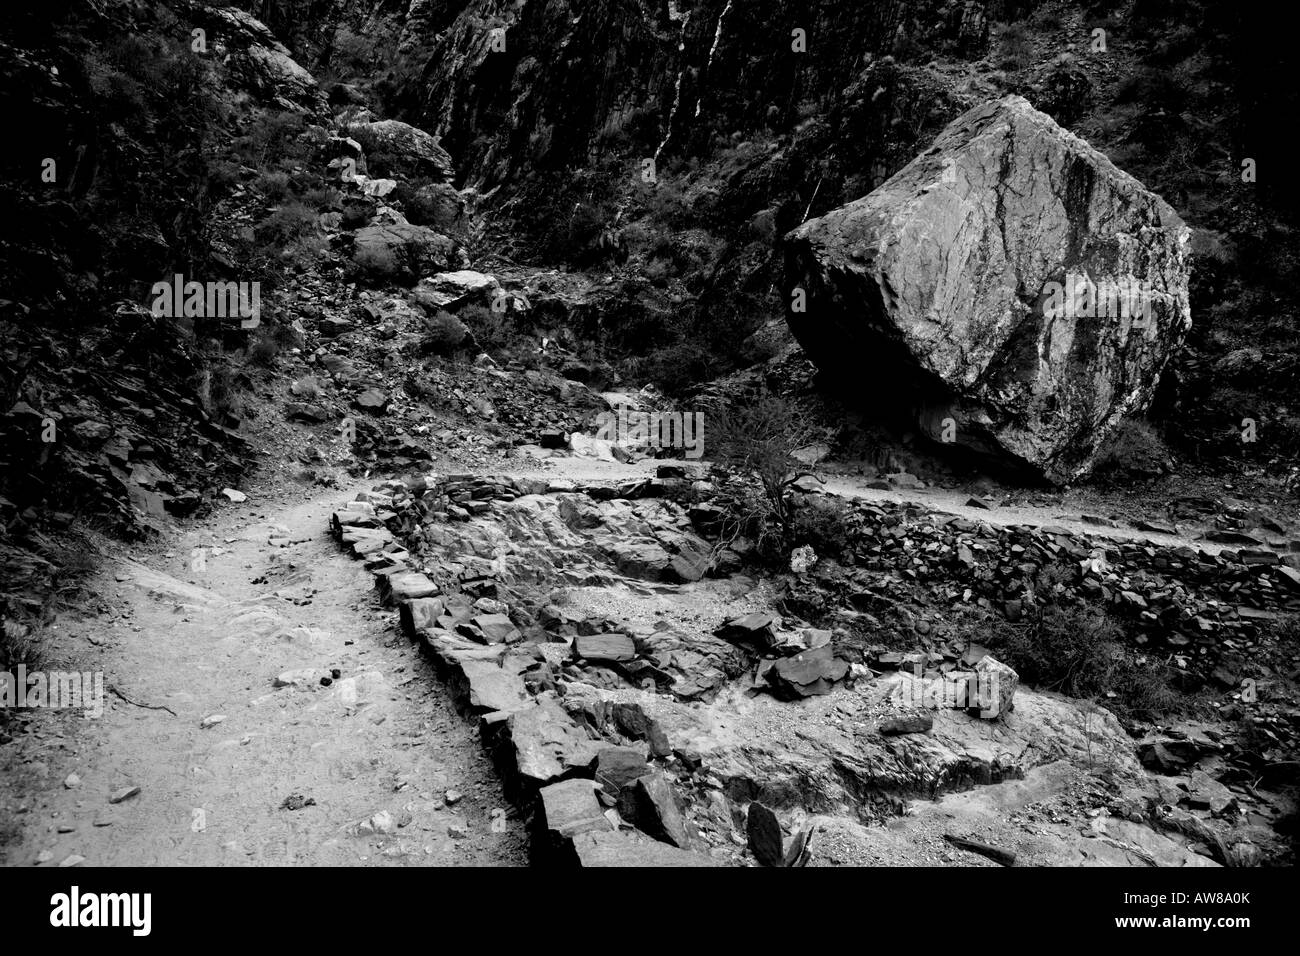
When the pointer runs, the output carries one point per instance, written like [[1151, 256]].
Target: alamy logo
[[72, 909], [211, 300], [56, 690], [631, 429], [1081, 298]]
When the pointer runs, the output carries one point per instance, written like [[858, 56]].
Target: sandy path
[[273, 594], [954, 502]]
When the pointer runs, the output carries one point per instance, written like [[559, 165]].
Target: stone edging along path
[[540, 751]]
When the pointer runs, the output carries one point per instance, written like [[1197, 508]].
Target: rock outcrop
[[256, 58], [1010, 288], [517, 88], [400, 149], [402, 252]]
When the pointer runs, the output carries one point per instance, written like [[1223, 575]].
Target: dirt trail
[[272, 594], [934, 499], [954, 502]]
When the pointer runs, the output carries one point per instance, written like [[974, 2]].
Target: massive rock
[[400, 149], [959, 290], [402, 252], [255, 58]]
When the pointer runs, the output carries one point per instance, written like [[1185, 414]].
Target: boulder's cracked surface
[[1010, 290]]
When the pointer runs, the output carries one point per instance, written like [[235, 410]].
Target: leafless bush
[[757, 437]]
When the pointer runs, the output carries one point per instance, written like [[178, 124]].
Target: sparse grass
[[219, 393], [273, 139], [19, 644], [445, 334], [1078, 652], [304, 251], [1287, 634], [288, 222], [822, 523], [1015, 52], [323, 198], [264, 348], [307, 388], [274, 185]]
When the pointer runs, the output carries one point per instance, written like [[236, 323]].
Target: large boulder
[[255, 58], [1010, 290], [399, 149], [402, 251]]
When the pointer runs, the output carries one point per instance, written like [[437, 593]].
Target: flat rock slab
[[626, 849], [496, 628], [657, 811], [600, 648], [570, 807], [808, 673], [547, 743], [405, 586]]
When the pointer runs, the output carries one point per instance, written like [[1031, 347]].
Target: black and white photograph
[[573, 434]]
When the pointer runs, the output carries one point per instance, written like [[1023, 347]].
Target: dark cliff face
[[571, 82], [582, 80]]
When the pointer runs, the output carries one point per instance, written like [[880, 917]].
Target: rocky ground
[[550, 610], [393, 600]]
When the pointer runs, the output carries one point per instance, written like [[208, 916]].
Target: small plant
[[1078, 652], [19, 644], [445, 334], [220, 393], [1015, 52], [324, 198], [822, 523], [493, 331], [273, 138], [264, 348], [307, 387], [274, 185], [758, 437], [1070, 650], [287, 223]]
